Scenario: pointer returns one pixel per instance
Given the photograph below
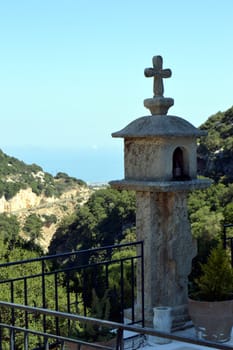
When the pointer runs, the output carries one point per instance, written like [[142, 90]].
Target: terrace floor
[[149, 344]]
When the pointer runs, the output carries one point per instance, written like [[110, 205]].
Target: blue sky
[[71, 73]]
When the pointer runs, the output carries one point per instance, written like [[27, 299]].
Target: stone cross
[[158, 73]]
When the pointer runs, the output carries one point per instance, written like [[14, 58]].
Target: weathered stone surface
[[159, 125], [161, 186], [162, 222], [158, 105], [152, 159]]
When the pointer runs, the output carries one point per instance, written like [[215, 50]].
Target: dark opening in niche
[[179, 171]]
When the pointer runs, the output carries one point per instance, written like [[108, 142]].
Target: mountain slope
[[26, 190], [215, 152], [16, 175]]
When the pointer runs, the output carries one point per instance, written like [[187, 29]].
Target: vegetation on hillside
[[16, 175], [215, 151], [104, 220]]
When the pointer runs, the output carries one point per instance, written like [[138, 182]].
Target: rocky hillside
[[215, 152], [27, 189]]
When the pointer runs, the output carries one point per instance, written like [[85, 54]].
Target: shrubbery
[[16, 175]]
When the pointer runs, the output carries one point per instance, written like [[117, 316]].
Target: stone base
[[180, 316]]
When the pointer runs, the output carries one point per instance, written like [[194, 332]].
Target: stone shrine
[[160, 165]]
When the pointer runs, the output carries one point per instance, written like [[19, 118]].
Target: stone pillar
[[160, 165], [162, 222]]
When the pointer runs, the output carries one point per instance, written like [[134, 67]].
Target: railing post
[[132, 290], [1, 330], [68, 298], [46, 343], [43, 294], [122, 291], [142, 281], [224, 237], [26, 341], [231, 240], [12, 333], [12, 342], [56, 302], [225, 226], [119, 340]]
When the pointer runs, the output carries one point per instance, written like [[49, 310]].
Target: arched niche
[[180, 164]]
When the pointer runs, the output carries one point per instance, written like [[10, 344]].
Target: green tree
[[101, 221], [228, 213], [9, 233], [33, 227], [216, 280]]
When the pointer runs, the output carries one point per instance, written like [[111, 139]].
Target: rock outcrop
[[26, 202]]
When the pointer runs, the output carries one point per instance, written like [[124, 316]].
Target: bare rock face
[[26, 202], [24, 199]]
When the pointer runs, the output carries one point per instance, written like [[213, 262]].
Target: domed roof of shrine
[[159, 126]]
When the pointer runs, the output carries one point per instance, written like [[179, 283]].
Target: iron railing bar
[[77, 252], [68, 269], [46, 342], [110, 324], [56, 302], [142, 284], [0, 332], [84, 296], [12, 342], [68, 299], [60, 314], [225, 239], [119, 341], [132, 291], [12, 312], [53, 336], [106, 275], [26, 340], [26, 314], [43, 293], [99, 263], [76, 302], [228, 225], [122, 291], [26, 301]]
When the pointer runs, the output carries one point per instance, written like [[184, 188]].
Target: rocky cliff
[[215, 152], [25, 202]]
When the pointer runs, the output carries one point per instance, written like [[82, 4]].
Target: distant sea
[[92, 166]]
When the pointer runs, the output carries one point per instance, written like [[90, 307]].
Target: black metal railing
[[228, 240], [100, 282], [51, 340]]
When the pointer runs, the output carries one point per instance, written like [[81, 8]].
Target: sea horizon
[[89, 165]]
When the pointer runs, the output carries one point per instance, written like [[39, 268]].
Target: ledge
[[160, 186]]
